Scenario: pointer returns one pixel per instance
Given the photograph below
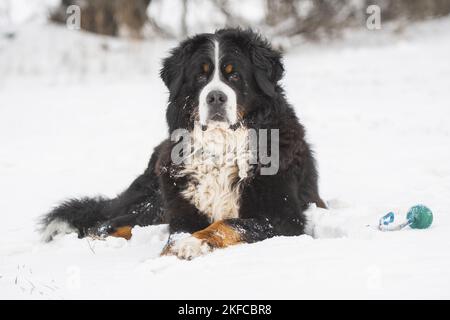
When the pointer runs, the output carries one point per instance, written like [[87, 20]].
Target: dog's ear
[[172, 72], [267, 62]]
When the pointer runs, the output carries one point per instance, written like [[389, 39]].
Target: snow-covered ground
[[76, 111]]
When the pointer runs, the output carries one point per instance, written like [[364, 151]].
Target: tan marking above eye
[[205, 67], [228, 68]]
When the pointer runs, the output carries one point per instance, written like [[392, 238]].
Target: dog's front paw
[[187, 248]]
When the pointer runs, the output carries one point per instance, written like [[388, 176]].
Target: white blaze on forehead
[[217, 84]]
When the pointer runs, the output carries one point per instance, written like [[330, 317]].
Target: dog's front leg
[[220, 234]]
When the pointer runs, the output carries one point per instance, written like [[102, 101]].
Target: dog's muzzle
[[216, 101]]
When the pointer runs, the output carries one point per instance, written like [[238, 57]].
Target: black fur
[[269, 205]]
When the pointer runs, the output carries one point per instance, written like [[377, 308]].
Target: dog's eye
[[205, 67], [234, 77], [203, 76], [228, 68]]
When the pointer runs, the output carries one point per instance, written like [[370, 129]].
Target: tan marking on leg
[[123, 232], [321, 204], [167, 250], [219, 235], [240, 113]]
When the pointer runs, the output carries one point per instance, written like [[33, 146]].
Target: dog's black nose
[[216, 98]]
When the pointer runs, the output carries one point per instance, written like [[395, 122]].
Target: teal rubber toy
[[420, 217]]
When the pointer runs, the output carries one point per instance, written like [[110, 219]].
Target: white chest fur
[[216, 167]]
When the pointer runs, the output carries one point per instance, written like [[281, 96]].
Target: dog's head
[[221, 77]]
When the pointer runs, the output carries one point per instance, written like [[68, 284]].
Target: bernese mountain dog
[[205, 179]]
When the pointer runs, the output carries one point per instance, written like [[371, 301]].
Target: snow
[[76, 119]]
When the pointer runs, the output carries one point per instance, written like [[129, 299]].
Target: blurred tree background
[[285, 18]]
